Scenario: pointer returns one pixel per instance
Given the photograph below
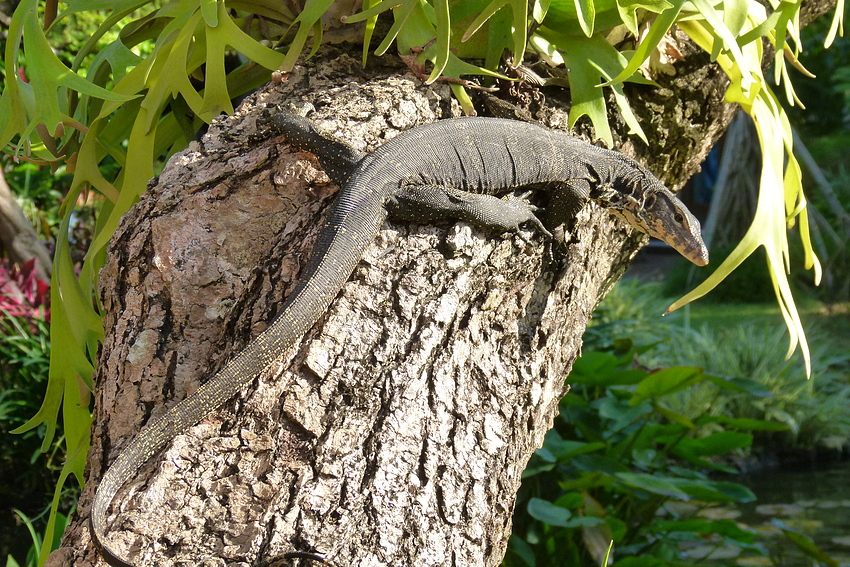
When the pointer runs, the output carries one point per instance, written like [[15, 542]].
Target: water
[[814, 502]]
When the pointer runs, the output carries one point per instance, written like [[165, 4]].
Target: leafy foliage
[[813, 411], [616, 460], [628, 437], [24, 360], [739, 342], [37, 541], [38, 192], [830, 93]]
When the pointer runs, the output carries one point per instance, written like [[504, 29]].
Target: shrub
[[617, 462]]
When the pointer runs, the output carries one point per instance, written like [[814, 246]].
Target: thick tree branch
[[17, 236]]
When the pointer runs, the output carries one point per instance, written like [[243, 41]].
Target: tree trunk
[[18, 238], [396, 432]]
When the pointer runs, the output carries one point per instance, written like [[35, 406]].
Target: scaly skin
[[449, 169]]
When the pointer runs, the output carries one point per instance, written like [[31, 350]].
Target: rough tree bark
[[396, 431], [18, 238]]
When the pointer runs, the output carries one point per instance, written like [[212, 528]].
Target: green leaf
[[369, 30], [522, 549], [747, 68], [168, 69], [837, 25], [401, 15], [735, 13], [585, 522], [641, 562], [657, 31], [555, 448], [74, 6], [606, 379], [117, 57], [666, 382], [209, 9], [714, 491], [738, 384], [594, 462], [500, 32], [519, 15], [586, 13], [587, 481], [654, 484], [768, 228], [699, 526], [306, 21], [581, 18], [217, 97], [592, 364], [539, 10], [555, 515], [23, 106], [48, 73], [414, 29], [808, 547], [74, 464], [68, 362], [444, 35], [590, 63], [620, 414], [760, 30], [373, 10], [547, 512], [718, 443], [743, 423], [628, 8], [12, 112], [36, 539], [570, 500], [674, 416]]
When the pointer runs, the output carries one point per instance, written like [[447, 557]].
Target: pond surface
[[809, 501], [814, 502]]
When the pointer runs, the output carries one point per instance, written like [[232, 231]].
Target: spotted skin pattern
[[451, 169]]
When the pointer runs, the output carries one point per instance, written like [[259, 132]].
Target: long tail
[[353, 223]]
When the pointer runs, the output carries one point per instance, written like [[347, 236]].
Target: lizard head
[[655, 210]]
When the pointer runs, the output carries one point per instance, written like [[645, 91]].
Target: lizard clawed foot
[[518, 212]]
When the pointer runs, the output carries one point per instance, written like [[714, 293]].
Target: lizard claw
[[524, 213]]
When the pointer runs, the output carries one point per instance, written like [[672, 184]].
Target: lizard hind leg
[[430, 203], [338, 159]]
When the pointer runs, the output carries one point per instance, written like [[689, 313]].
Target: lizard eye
[[679, 218]]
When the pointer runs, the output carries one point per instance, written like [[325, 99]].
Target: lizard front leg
[[566, 198], [336, 157], [430, 203]]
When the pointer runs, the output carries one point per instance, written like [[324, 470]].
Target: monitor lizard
[[450, 169]]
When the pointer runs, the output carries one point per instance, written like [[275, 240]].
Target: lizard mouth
[[697, 254], [694, 250]]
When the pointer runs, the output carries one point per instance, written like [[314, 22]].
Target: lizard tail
[[352, 224]]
